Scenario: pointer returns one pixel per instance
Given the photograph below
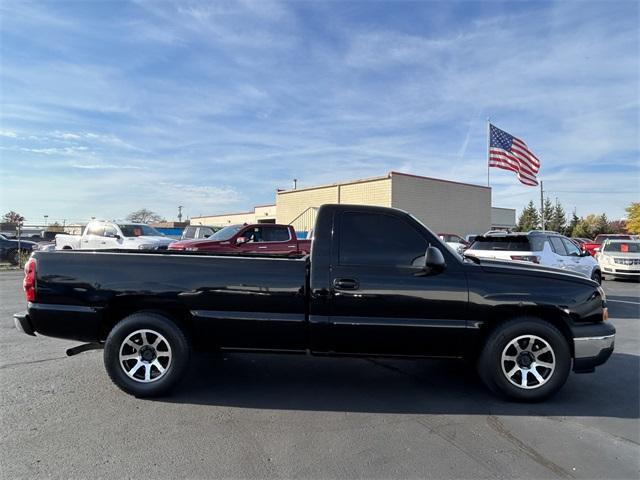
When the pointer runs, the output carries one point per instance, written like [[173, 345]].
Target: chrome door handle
[[346, 284]]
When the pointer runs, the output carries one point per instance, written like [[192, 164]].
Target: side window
[[95, 229], [276, 234], [189, 233], [571, 248], [110, 231], [558, 246], [253, 234], [378, 239], [204, 232]]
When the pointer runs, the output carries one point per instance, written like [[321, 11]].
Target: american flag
[[511, 153]]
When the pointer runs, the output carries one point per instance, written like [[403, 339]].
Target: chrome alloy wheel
[[145, 356], [528, 361]]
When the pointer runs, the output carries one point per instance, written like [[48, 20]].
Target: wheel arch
[[122, 307], [552, 315]]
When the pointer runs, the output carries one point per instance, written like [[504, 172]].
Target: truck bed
[[83, 284]]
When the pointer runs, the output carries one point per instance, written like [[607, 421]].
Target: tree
[[575, 220], [602, 225], [528, 219], [548, 214], [618, 226], [12, 218], [557, 220], [587, 227], [633, 217], [144, 216]]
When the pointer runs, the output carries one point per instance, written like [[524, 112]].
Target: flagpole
[[488, 148], [542, 204]]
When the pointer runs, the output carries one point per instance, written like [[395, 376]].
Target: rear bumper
[[72, 322], [23, 323], [592, 345]]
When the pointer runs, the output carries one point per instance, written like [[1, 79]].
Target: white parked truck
[[101, 235]]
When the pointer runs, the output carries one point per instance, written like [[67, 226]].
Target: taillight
[[526, 258], [29, 282]]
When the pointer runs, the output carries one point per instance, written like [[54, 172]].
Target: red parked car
[[267, 238], [591, 247]]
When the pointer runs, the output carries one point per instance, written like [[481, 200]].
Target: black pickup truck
[[377, 282]]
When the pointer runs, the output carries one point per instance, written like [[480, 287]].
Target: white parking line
[[624, 301]]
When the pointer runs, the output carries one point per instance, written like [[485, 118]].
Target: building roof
[[235, 213], [374, 179]]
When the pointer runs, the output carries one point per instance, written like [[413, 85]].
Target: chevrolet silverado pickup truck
[[265, 238], [377, 283]]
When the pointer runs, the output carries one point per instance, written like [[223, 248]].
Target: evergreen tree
[[528, 219], [558, 219], [575, 220], [548, 214]]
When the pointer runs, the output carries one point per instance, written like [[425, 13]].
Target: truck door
[[379, 299], [92, 236]]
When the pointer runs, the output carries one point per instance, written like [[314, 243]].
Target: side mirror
[[241, 240], [433, 262]]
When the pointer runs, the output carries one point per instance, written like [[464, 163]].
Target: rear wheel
[[525, 359], [14, 257], [146, 354]]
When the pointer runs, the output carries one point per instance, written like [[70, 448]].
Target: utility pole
[[542, 204], [180, 213], [45, 220], [295, 183]]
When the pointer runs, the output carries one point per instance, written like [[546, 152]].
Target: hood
[[200, 242], [531, 269]]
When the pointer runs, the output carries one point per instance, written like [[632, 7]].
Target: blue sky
[[108, 107]]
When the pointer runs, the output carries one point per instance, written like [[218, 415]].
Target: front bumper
[[592, 346], [621, 273], [23, 323]]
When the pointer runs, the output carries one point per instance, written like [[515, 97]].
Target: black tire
[[14, 257], [597, 277], [495, 375], [173, 341]]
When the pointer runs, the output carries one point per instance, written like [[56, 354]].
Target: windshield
[[622, 247], [139, 231], [226, 233]]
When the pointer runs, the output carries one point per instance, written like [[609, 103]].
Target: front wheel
[[597, 277], [146, 354], [525, 359]]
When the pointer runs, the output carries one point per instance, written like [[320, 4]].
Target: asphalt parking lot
[[275, 416]]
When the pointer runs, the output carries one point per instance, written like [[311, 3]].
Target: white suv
[[545, 248]]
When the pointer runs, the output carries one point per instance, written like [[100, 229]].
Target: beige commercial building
[[443, 205]]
